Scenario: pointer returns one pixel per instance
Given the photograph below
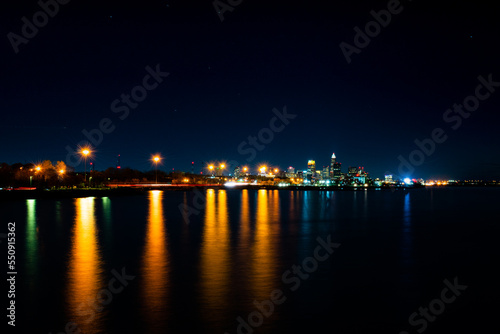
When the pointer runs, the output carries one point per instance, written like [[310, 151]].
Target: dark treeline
[[47, 175]]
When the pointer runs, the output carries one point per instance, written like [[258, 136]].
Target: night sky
[[226, 77]]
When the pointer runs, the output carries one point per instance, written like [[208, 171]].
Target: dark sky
[[226, 77]]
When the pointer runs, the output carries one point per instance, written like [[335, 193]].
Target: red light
[[118, 167]]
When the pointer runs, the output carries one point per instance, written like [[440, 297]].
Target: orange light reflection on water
[[156, 263], [85, 269], [264, 256], [215, 261]]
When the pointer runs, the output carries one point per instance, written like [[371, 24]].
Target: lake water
[[257, 261]]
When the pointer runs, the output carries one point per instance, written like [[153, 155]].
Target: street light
[[211, 168], [222, 166], [37, 170], [156, 159], [61, 173], [85, 152]]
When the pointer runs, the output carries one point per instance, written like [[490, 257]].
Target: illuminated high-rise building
[[337, 170], [311, 167], [333, 159], [311, 170], [237, 172], [325, 174]]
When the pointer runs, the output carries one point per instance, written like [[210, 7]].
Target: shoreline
[[13, 195]]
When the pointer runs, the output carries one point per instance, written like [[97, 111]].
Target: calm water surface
[[210, 273]]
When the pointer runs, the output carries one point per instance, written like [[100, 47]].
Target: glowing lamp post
[[37, 170], [85, 152], [221, 168], [211, 168], [156, 159]]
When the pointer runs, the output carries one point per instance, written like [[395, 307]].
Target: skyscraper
[[311, 167], [325, 174], [335, 168], [333, 161], [311, 171], [237, 172]]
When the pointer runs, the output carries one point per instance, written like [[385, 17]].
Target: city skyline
[[213, 167]]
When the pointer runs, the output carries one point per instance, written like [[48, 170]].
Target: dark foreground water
[[264, 261]]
